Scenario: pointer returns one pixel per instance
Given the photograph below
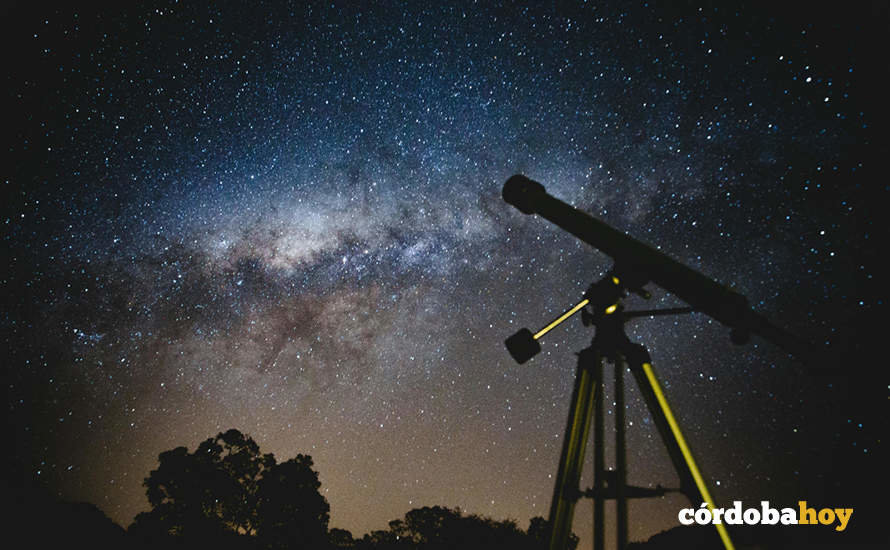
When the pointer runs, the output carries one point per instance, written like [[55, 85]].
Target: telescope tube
[[697, 290]]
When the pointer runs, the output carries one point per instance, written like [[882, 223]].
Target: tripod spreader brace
[[610, 491]]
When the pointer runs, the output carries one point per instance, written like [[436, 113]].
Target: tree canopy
[[440, 528], [218, 491], [228, 494]]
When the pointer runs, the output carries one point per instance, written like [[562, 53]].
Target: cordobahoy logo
[[766, 515]]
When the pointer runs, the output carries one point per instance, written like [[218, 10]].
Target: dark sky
[[287, 220]]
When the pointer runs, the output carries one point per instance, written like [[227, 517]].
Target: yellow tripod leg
[[684, 450], [568, 477]]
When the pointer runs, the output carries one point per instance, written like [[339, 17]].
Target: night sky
[[287, 220]]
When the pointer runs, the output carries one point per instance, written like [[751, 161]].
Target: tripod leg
[[620, 458], [691, 481], [599, 464], [566, 490]]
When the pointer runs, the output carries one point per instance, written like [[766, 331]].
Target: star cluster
[[287, 219]]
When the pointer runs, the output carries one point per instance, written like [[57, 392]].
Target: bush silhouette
[[227, 494]]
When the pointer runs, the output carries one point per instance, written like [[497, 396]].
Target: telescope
[[644, 263], [635, 265]]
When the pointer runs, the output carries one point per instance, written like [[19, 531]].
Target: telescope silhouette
[[635, 265]]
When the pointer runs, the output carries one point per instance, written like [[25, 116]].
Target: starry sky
[[286, 219]]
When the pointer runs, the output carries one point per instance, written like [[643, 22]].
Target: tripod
[[610, 343]]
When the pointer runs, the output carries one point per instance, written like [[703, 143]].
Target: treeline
[[228, 495]]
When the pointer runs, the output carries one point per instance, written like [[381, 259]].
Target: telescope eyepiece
[[523, 193]]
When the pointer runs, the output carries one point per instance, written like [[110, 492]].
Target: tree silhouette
[[341, 538], [229, 495], [539, 534], [290, 508], [227, 488], [439, 528]]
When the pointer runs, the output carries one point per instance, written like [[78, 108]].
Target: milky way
[[287, 220]]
